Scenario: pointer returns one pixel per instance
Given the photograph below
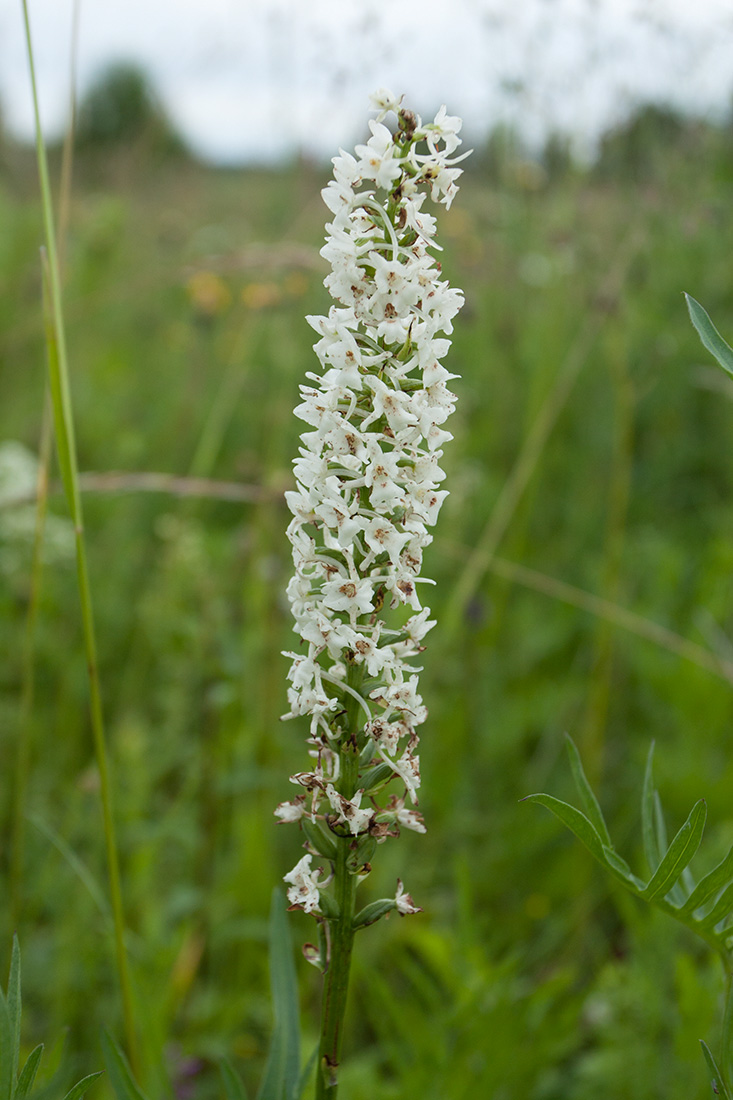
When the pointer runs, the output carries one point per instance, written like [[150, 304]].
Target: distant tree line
[[121, 110]]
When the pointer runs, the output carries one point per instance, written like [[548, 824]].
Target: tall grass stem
[[66, 446]]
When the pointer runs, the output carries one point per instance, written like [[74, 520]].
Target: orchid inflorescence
[[368, 478]]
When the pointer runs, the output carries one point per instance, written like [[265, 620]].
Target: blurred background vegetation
[[592, 447]]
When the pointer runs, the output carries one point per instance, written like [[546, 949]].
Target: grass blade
[[81, 1086], [282, 1074], [679, 853], [307, 1073], [718, 1083], [66, 447], [6, 1050], [120, 1075], [590, 803], [233, 1084], [710, 336], [28, 1073], [14, 1006]]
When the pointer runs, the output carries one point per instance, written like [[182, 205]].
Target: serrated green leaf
[[233, 1083], [718, 1081], [282, 1070], [120, 1075], [81, 1086], [679, 853], [710, 336], [590, 803], [649, 836], [28, 1073], [710, 884]]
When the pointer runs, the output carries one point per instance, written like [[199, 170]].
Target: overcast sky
[[259, 79]]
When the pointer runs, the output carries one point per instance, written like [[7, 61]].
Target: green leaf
[[648, 810], [120, 1075], [710, 884], [7, 1054], [590, 802], [679, 853], [28, 1073], [577, 822], [14, 1003], [307, 1072], [280, 1080], [233, 1084], [81, 1086], [710, 336], [718, 1082], [722, 907], [619, 865]]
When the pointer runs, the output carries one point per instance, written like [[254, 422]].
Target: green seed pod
[[319, 838], [371, 913]]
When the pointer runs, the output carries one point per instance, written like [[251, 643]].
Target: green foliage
[[705, 907], [15, 1086], [521, 947]]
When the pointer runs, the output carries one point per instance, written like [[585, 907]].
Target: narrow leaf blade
[[710, 336], [679, 853], [722, 907], [6, 1051], [591, 804], [710, 884], [120, 1075], [14, 1005], [649, 836], [81, 1086], [307, 1072], [28, 1073], [233, 1084], [282, 1070], [719, 1086]]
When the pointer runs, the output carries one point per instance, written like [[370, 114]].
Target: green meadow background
[[590, 477]]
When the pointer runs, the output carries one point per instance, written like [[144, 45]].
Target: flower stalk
[[368, 490]]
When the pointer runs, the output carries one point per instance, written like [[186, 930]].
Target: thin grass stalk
[[614, 614], [23, 746], [67, 153], [66, 446]]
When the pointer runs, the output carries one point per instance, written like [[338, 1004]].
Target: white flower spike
[[367, 491]]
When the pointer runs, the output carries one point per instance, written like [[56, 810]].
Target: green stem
[[66, 447], [341, 929], [337, 978]]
